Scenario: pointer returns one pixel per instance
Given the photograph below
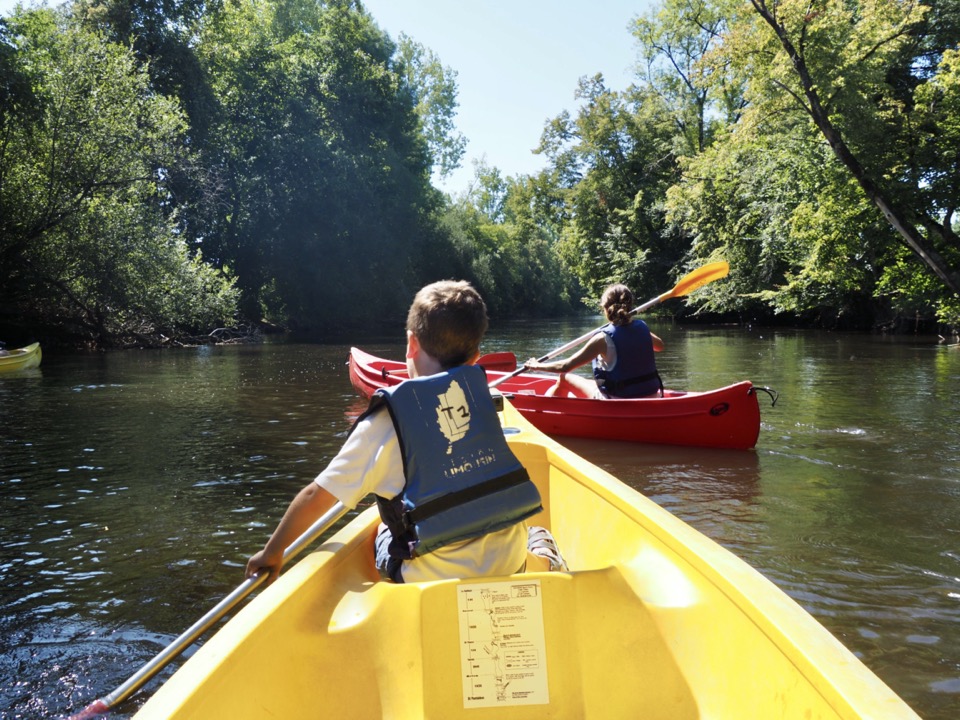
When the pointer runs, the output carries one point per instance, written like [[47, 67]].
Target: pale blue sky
[[517, 64]]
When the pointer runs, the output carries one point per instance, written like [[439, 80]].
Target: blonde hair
[[449, 319], [617, 304]]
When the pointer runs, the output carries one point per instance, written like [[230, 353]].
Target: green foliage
[[845, 114], [16, 94], [938, 119], [615, 161], [160, 34], [434, 88], [504, 245], [321, 174], [86, 242], [911, 293], [672, 39], [799, 236], [292, 142]]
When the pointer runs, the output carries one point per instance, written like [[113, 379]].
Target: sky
[[517, 64]]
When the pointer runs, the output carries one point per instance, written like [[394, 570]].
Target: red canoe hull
[[728, 417]]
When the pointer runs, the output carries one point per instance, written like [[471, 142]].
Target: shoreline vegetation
[[173, 175], [255, 333]]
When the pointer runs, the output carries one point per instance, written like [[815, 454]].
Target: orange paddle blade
[[698, 278]]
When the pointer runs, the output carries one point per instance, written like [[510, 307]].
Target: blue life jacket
[[635, 372], [462, 479]]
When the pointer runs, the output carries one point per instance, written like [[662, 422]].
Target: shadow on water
[[134, 485]]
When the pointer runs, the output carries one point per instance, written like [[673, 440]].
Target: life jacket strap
[[614, 386], [475, 492]]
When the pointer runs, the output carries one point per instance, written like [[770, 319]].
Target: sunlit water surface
[[134, 485]]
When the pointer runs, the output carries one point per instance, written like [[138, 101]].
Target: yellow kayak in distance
[[20, 359], [653, 620]]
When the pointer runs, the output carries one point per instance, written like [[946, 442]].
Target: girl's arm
[[596, 345]]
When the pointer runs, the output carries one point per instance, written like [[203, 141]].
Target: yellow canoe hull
[[654, 620], [21, 359]]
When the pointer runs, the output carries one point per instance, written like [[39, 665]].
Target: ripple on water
[[71, 662], [950, 685], [852, 431], [923, 639]]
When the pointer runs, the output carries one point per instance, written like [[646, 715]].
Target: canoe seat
[[565, 645]]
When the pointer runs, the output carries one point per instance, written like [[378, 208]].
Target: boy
[[452, 496]]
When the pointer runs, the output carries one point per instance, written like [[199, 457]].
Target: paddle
[[693, 280], [163, 658]]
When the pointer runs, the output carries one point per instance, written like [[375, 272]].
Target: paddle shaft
[[573, 343], [687, 284], [164, 657]]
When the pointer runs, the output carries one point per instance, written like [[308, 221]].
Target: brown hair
[[617, 304], [449, 319]]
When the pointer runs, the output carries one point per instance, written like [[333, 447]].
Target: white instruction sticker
[[503, 656]]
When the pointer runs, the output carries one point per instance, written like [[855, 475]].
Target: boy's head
[[449, 319]]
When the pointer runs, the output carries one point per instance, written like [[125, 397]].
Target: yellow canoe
[[654, 620], [20, 359]]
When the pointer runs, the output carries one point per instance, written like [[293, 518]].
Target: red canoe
[[728, 417]]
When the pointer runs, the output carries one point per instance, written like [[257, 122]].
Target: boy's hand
[[262, 563]]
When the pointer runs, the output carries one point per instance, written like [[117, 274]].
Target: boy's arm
[[309, 504]]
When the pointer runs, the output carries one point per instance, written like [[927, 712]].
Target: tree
[[87, 246], [834, 62], [321, 197], [16, 94], [801, 239], [615, 161], [938, 151], [434, 88], [504, 239], [161, 35], [673, 38]]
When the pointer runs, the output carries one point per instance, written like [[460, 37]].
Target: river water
[[134, 485]]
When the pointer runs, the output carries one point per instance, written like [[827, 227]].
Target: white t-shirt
[[370, 462]]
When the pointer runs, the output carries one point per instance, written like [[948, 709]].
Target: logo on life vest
[[453, 414]]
